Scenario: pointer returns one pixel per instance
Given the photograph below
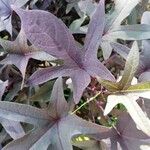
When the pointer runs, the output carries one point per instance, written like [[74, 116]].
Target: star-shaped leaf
[[143, 69], [49, 33], [114, 30], [19, 52], [56, 126], [125, 93], [126, 136]]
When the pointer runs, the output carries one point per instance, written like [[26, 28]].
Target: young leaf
[[128, 98], [131, 66], [57, 133], [114, 30], [111, 86], [132, 62], [75, 25], [85, 143], [46, 32], [87, 7], [143, 69], [127, 94], [144, 86]]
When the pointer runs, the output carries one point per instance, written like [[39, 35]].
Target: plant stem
[[89, 100]]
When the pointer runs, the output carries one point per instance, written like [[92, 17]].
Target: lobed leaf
[[59, 42], [95, 31], [39, 25], [128, 137], [20, 52], [55, 134], [23, 113], [111, 86], [131, 66], [129, 101], [140, 87]]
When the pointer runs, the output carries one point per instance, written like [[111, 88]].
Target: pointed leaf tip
[[131, 66]]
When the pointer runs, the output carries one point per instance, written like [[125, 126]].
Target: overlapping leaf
[[19, 52], [127, 94], [56, 125], [6, 11], [143, 70], [14, 129], [121, 11], [145, 52], [126, 136], [46, 32], [114, 30], [82, 7]]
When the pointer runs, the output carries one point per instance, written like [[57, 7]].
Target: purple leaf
[[126, 136], [2, 88], [143, 71], [14, 129], [39, 25], [144, 76], [19, 52], [45, 4], [57, 133], [122, 50], [49, 33], [6, 11], [95, 31], [23, 113]]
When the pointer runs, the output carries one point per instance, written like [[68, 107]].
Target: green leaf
[[109, 85], [140, 87], [139, 90], [130, 67], [86, 143]]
